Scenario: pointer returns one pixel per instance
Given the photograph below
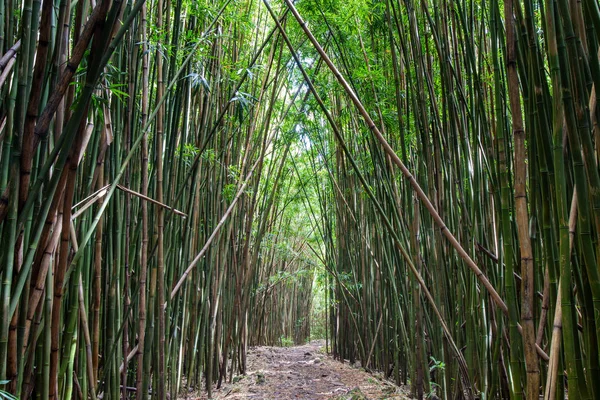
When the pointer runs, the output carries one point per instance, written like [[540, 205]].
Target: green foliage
[[243, 103], [188, 152], [436, 365], [229, 191], [198, 80], [285, 341], [209, 155], [318, 313], [233, 172]]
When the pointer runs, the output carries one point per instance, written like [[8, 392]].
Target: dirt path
[[304, 372]]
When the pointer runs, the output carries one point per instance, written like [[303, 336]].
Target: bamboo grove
[[181, 180]]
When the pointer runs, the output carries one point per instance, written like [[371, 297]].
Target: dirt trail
[[304, 372]]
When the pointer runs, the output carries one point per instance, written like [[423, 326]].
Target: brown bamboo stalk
[[38, 282], [545, 305], [160, 257], [97, 271], [28, 143], [521, 211], [139, 348]]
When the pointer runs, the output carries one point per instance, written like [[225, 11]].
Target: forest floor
[[304, 372]]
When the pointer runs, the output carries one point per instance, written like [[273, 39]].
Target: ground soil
[[303, 372]]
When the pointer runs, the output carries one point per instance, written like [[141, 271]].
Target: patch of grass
[[286, 341]]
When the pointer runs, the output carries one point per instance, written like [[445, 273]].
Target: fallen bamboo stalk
[[97, 195], [141, 196]]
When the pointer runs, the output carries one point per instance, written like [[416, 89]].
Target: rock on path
[[303, 372]]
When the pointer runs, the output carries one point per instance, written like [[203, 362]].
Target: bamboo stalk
[[388, 149]]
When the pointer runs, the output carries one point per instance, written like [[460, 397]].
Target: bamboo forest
[[188, 184]]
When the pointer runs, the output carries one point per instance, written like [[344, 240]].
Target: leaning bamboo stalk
[[461, 361], [10, 54], [90, 200], [146, 198], [97, 195], [6, 71], [210, 239], [37, 285], [84, 322], [92, 76], [77, 54], [388, 149], [545, 305], [97, 264], [415, 185], [138, 140], [28, 140], [551, 379], [61, 266]]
